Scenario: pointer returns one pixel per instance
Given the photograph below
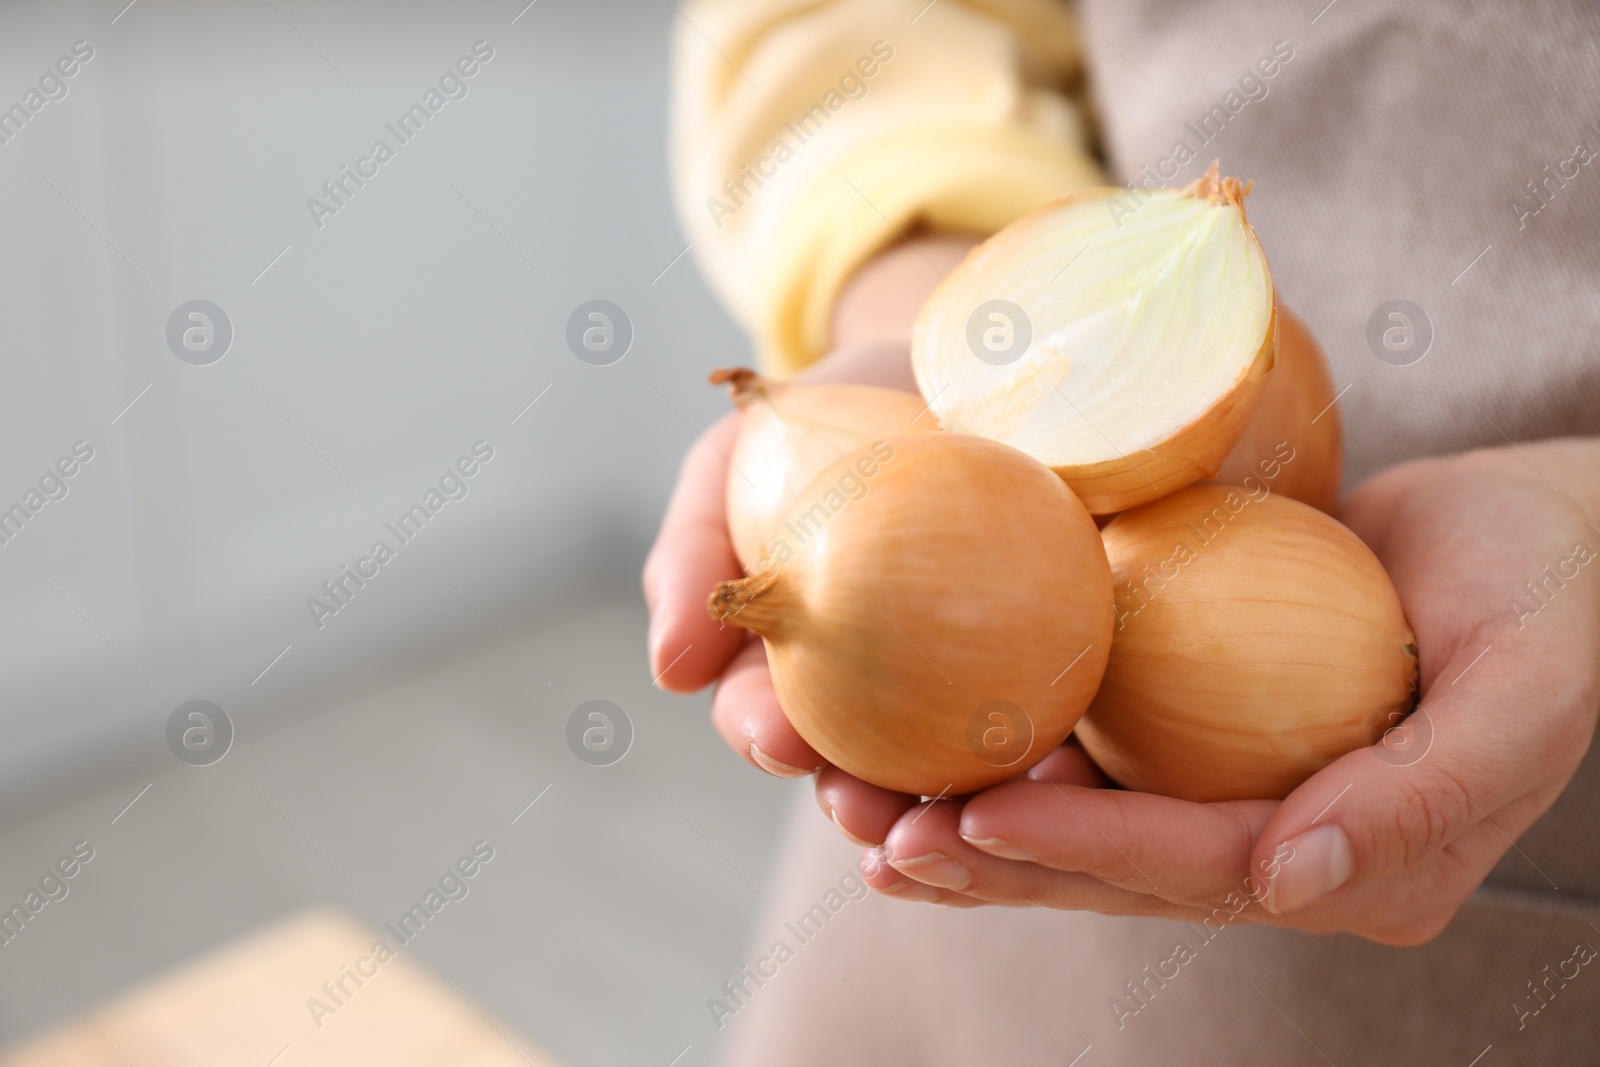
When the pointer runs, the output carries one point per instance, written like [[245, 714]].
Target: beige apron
[[1430, 153]]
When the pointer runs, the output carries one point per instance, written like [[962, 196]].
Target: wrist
[[879, 304]]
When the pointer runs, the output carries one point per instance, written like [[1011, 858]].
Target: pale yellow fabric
[[807, 135]]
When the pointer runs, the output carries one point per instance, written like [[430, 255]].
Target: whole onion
[[788, 432], [937, 612], [1257, 641]]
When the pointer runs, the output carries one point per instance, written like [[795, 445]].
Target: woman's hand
[[1386, 842]]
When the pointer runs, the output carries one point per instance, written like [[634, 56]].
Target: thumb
[[1471, 748]]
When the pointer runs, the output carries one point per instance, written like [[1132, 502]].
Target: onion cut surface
[[1150, 329]]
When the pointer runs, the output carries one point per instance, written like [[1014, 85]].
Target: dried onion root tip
[[789, 431], [1257, 641], [937, 616], [1122, 338]]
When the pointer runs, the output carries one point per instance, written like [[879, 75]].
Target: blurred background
[[345, 359]]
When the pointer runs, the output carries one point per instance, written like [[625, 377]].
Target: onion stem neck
[[744, 384], [754, 603]]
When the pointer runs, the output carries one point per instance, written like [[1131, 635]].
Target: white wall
[[395, 336]]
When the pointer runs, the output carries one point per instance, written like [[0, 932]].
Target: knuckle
[[1106, 860], [1111, 852], [1432, 809], [1037, 889]]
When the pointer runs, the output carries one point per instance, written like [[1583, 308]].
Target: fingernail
[[995, 846], [852, 838], [872, 861], [917, 892], [1322, 862], [772, 766], [934, 868]]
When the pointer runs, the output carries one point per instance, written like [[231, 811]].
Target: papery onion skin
[[963, 574], [1296, 418], [1244, 664], [789, 432], [1191, 453]]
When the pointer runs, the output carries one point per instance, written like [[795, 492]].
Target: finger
[[1393, 807], [1414, 907], [926, 847], [1068, 765], [745, 711], [863, 813], [1503, 721], [1180, 851], [884, 879], [692, 553]]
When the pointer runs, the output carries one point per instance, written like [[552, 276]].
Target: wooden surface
[[245, 1003]]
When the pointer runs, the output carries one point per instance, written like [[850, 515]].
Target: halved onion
[[1123, 340]]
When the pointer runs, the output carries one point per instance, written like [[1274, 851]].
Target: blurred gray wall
[[419, 319], [368, 355]]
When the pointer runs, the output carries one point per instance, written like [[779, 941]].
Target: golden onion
[[937, 613], [1257, 641], [788, 432]]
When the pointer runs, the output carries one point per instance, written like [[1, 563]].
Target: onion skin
[[1247, 663], [789, 432], [1298, 391], [963, 574]]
